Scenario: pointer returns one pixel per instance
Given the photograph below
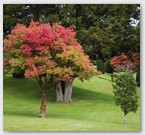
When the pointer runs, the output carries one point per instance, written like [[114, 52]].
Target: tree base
[[64, 92], [42, 115]]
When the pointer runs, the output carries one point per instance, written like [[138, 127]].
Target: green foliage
[[108, 67], [23, 13], [100, 66], [103, 29], [52, 18], [20, 74], [125, 91]]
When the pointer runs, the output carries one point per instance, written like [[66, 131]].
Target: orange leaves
[[32, 73], [64, 73], [5, 62], [14, 65], [30, 62], [17, 31], [99, 73], [41, 65], [14, 40], [78, 61]]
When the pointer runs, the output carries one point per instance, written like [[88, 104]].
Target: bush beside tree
[[100, 65], [19, 74], [108, 67]]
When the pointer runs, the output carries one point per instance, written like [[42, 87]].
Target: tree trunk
[[59, 92], [43, 104], [68, 92], [124, 119], [64, 91], [138, 76]]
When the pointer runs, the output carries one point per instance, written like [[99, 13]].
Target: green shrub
[[19, 74], [100, 66], [93, 61], [108, 67], [125, 91]]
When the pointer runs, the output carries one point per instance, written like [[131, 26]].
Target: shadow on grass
[[23, 88], [25, 113], [84, 94], [104, 78]]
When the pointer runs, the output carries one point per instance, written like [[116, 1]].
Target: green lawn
[[93, 108]]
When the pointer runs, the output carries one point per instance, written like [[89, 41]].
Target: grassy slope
[[93, 108]]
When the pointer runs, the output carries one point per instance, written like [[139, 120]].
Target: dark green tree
[[104, 30], [100, 65], [125, 91], [108, 67], [23, 13]]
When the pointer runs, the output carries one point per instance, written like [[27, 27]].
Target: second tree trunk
[[64, 91]]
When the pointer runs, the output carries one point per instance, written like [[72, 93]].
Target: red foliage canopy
[[123, 63], [42, 49]]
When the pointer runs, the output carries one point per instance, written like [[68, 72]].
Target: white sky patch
[[134, 22]]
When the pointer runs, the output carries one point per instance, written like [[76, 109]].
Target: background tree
[[125, 91], [108, 67], [112, 29], [50, 54], [23, 13]]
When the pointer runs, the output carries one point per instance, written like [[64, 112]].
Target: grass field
[[93, 108]]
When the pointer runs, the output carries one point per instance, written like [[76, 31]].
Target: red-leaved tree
[[50, 54], [123, 63]]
